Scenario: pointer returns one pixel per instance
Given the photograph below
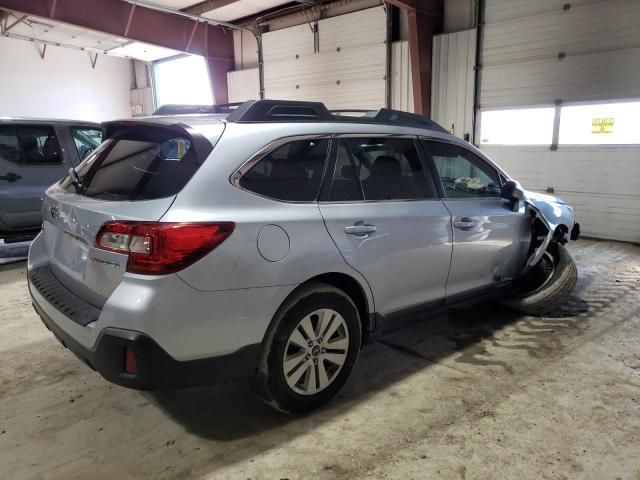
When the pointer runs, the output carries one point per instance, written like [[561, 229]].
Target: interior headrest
[[386, 165]]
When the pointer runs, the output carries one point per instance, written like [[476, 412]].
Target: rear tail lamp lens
[[157, 248]]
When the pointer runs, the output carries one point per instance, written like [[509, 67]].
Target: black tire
[[553, 293], [270, 383]]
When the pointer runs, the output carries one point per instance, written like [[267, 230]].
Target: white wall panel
[[453, 81], [347, 71], [243, 85], [142, 101], [63, 84], [601, 183], [401, 81]]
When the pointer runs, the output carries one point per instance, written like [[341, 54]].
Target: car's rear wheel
[[309, 350], [547, 285]]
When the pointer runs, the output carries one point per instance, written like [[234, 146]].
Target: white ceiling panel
[[143, 51], [242, 8], [175, 4]]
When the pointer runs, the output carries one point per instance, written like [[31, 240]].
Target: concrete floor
[[477, 394]]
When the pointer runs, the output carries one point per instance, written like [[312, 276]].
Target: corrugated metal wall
[[538, 52], [142, 102], [346, 71], [401, 84], [453, 81], [601, 183], [243, 85]]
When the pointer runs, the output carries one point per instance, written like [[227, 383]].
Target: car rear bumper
[[156, 369]]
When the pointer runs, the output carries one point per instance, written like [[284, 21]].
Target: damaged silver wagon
[[272, 240]]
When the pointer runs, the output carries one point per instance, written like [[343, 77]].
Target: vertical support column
[[218, 69], [425, 20]]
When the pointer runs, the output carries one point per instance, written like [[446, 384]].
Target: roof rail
[[299, 111], [259, 111], [280, 111], [177, 109]]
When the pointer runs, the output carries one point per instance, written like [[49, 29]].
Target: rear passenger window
[[378, 168], [38, 144], [462, 173], [9, 146], [31, 144], [292, 172]]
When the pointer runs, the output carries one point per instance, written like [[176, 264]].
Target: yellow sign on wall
[[602, 125]]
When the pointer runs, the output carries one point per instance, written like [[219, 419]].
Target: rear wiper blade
[[75, 179]]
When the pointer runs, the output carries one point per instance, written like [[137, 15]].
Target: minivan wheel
[[310, 349], [547, 285]]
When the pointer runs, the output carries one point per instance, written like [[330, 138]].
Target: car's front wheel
[[309, 350], [547, 285]]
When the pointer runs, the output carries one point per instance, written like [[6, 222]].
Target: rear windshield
[[140, 163]]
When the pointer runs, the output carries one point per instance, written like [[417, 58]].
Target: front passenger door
[[488, 237]]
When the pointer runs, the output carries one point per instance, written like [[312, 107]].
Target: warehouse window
[[602, 123], [527, 126], [184, 80]]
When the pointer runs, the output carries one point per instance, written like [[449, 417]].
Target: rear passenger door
[[382, 211], [30, 161], [487, 234]]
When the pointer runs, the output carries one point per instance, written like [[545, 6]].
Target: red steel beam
[[118, 18], [426, 19]]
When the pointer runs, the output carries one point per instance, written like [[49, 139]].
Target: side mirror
[[513, 192]]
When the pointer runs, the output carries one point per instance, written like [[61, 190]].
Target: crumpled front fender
[[553, 210]]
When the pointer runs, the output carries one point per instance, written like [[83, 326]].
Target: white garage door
[[560, 99], [343, 66]]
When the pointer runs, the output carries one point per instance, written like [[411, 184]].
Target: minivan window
[[379, 168], [137, 164], [31, 144], [86, 140], [292, 172], [462, 173]]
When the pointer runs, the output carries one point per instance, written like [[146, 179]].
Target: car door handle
[[10, 177], [464, 223], [360, 229]]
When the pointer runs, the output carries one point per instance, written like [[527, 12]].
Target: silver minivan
[[273, 240]]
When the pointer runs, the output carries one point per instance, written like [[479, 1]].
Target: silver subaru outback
[[273, 240]]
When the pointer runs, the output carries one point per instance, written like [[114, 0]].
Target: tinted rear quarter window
[[140, 163], [292, 172]]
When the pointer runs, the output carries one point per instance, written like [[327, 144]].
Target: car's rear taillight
[[157, 248]]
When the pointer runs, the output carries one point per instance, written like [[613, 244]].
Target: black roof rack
[[260, 111]]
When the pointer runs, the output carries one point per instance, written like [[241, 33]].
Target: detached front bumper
[[154, 367]]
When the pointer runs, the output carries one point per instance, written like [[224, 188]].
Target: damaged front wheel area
[[547, 285]]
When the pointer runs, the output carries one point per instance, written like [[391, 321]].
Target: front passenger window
[[462, 173]]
